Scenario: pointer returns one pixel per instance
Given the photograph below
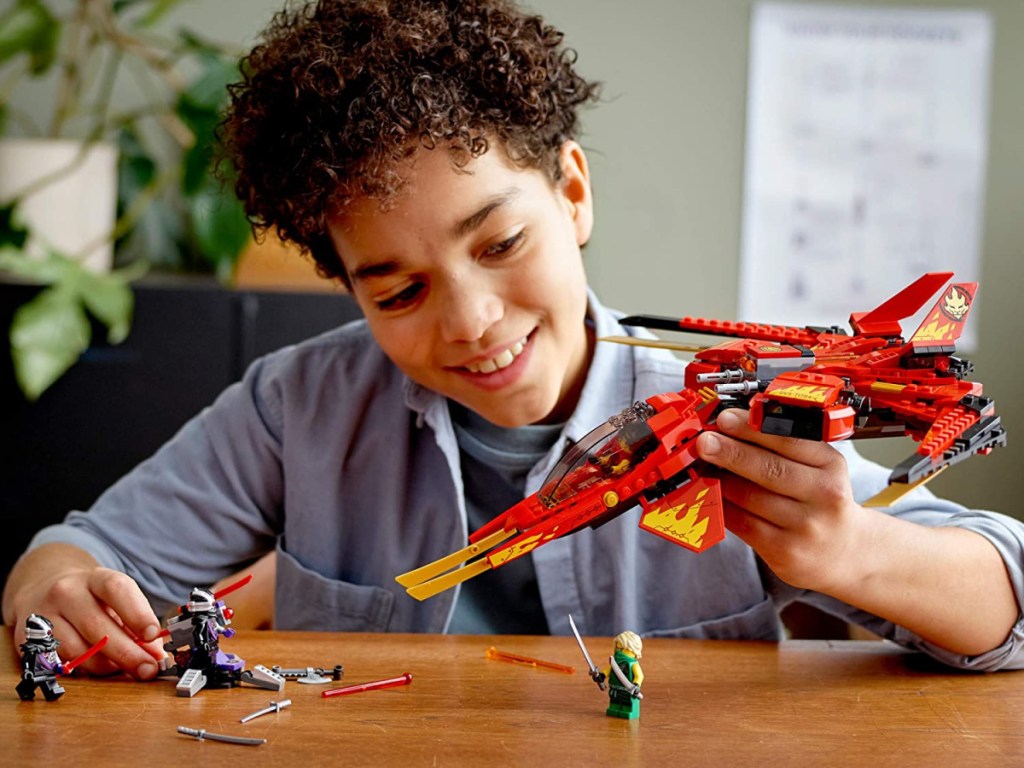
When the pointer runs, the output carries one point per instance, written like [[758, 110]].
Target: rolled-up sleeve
[[205, 505], [922, 507]]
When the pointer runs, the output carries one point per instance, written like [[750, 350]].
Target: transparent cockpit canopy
[[605, 452]]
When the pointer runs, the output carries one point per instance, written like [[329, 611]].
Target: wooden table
[[801, 703]]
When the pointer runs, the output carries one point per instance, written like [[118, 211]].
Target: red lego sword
[[70, 666]]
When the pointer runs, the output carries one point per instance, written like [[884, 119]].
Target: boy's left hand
[[790, 499]]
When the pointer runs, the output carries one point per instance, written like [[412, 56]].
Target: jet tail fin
[[944, 324], [884, 320]]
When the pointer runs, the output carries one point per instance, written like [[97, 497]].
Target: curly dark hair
[[337, 92]]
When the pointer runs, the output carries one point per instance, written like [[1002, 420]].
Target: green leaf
[[28, 27], [156, 234], [200, 107], [160, 9], [155, 238], [207, 92], [48, 334], [198, 161], [189, 41], [52, 269], [136, 166], [110, 300], [220, 225], [155, 10], [13, 231]]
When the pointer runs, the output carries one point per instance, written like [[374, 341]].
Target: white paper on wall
[[865, 158]]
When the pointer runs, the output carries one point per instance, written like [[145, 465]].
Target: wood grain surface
[[706, 703]]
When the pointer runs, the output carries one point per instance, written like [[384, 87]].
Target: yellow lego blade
[[656, 343], [893, 493], [449, 580], [446, 563]]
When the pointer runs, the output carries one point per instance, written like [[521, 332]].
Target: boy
[[424, 153]]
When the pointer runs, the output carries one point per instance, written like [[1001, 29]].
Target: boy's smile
[[503, 360], [473, 281]]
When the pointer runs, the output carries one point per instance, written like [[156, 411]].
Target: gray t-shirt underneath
[[495, 461]]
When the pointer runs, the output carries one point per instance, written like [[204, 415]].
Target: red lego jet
[[811, 383]]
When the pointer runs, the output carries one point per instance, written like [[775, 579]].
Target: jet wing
[[971, 427], [690, 516]]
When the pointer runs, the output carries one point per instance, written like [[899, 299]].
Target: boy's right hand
[[85, 602]]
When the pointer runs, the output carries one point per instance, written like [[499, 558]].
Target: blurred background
[[667, 153]]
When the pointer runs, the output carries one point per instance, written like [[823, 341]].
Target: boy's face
[[473, 283]]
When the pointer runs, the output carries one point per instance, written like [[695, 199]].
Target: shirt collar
[[609, 385]]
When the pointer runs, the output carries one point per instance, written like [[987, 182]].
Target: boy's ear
[[575, 189]]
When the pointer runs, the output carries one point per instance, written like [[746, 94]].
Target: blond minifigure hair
[[629, 641]]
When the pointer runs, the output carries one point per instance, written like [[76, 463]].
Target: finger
[[777, 547], [153, 647], [125, 615], [764, 467], [79, 637], [84, 613], [125, 598], [66, 604], [782, 512], [73, 645], [736, 423], [121, 651], [19, 631], [752, 529]]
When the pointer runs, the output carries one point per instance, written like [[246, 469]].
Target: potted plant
[[140, 103]]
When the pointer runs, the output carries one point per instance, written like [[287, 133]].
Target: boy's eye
[[401, 299], [505, 247]]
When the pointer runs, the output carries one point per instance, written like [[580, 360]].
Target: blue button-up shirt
[[326, 451]]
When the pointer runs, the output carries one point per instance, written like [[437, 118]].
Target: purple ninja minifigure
[[195, 643], [40, 664]]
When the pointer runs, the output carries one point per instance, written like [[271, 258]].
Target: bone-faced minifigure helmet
[[38, 628], [200, 600]]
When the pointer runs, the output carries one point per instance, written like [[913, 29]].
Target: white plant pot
[[74, 211]]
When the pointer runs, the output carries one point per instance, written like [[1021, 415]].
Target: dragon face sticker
[[955, 303]]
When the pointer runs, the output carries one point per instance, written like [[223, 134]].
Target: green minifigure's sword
[[633, 688], [594, 673]]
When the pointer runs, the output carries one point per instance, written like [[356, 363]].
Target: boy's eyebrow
[[379, 269], [476, 219], [462, 228]]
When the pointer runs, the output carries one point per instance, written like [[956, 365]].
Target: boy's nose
[[468, 312]]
